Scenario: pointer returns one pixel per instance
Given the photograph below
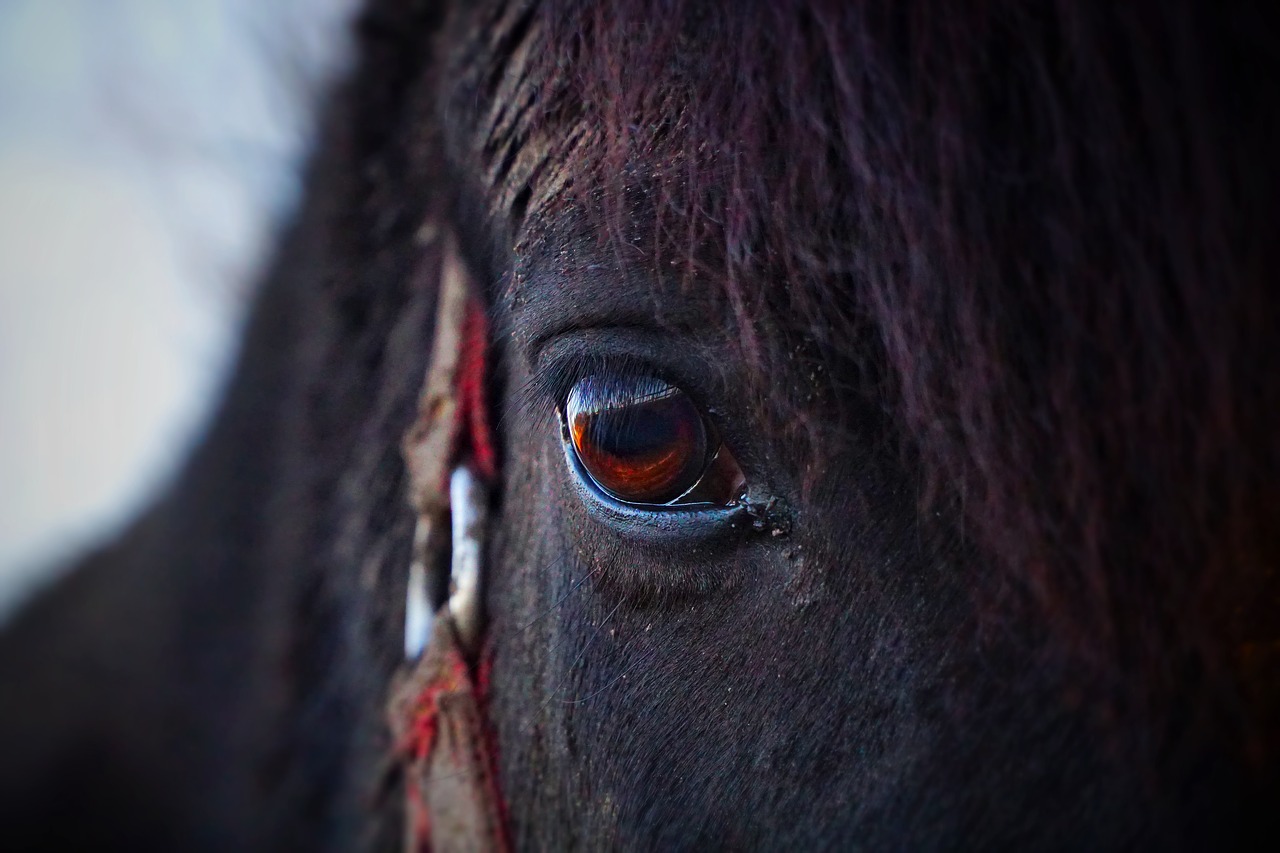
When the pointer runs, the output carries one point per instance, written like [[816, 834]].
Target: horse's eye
[[645, 442]]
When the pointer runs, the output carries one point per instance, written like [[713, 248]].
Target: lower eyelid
[[676, 525]]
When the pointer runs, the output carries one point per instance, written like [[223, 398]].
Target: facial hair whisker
[[561, 600]]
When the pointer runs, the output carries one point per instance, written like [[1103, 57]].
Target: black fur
[[981, 298]]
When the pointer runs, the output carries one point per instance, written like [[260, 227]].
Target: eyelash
[[548, 389]]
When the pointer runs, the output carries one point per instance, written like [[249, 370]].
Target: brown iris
[[645, 442]]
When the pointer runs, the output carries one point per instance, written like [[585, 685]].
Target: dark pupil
[[648, 451]]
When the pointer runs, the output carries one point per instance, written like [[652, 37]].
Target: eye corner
[[772, 515]]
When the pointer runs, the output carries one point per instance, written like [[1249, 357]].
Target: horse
[[882, 406]]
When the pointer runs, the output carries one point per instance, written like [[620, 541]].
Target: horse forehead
[[497, 91], [531, 155]]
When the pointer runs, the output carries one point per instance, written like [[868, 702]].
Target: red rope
[[483, 675], [473, 408], [471, 439], [420, 740], [421, 737]]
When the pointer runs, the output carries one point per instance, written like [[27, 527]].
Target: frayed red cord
[[483, 675], [473, 408], [420, 739], [471, 439]]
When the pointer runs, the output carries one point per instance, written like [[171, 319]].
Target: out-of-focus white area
[[147, 147]]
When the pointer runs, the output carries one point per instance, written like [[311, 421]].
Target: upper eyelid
[[623, 351], [578, 332], [550, 384]]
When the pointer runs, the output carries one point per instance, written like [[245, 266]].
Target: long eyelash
[[547, 390]]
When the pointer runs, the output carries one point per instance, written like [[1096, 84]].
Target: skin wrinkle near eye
[[564, 277]]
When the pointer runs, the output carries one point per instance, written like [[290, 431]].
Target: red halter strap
[[436, 706]]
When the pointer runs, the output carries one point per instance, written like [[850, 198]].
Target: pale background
[[147, 150]]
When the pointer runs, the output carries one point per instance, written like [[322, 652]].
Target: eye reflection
[[643, 441]]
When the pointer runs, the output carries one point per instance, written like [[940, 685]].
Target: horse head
[[878, 423]]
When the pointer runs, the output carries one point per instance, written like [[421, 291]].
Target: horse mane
[[1046, 228]]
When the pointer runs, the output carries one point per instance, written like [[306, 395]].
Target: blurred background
[[148, 151]]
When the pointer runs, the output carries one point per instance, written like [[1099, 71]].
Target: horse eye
[[645, 442]]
